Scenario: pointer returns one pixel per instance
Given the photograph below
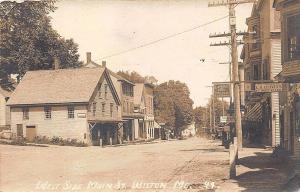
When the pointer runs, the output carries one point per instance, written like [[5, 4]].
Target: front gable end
[[104, 103], [112, 87]]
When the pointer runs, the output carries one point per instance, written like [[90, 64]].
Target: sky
[[107, 27]]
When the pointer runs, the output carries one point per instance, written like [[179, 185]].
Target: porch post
[[108, 135], [99, 137], [120, 132]]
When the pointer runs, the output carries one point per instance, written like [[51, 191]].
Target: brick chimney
[[88, 57], [104, 64], [56, 63]]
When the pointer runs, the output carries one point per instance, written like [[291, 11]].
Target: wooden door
[[30, 133], [19, 130]]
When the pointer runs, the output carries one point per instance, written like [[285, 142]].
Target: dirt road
[[197, 164]]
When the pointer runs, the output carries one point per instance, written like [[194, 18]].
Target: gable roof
[[56, 86], [138, 93], [92, 64]]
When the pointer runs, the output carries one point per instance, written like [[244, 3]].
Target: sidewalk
[[258, 171]]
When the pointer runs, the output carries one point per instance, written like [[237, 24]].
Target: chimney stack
[[88, 57], [56, 63], [104, 64]]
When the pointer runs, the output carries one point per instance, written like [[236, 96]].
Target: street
[[196, 164]]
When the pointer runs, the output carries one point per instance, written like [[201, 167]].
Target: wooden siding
[[276, 65], [99, 98], [59, 124], [276, 68], [148, 99], [276, 120]]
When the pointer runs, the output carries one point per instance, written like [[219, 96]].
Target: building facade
[[262, 63], [125, 92], [79, 104], [290, 75], [143, 107]]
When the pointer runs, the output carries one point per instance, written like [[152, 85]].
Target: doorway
[[30, 132]]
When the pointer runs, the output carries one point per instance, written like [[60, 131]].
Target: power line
[[162, 39]]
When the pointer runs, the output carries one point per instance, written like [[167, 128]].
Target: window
[[256, 71], [26, 113], [266, 73], [47, 111], [103, 107], [111, 109], [71, 112], [105, 90], [94, 108], [293, 37], [127, 89]]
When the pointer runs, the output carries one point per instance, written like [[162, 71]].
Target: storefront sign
[[81, 115], [149, 118], [222, 90], [223, 119], [270, 87]]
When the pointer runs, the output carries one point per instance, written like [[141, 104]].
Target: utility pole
[[213, 107], [234, 59], [210, 114], [235, 77]]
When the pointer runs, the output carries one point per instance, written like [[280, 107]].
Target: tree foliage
[[202, 114], [173, 105], [28, 42], [135, 77]]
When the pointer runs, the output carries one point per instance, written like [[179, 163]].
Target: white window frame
[[48, 112], [71, 112], [25, 113]]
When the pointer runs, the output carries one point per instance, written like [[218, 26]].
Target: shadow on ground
[[266, 173], [205, 150]]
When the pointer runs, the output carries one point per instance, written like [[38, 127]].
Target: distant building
[[80, 104], [189, 130], [290, 100], [143, 107], [262, 63], [4, 109]]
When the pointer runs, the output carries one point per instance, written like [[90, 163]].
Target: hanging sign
[[223, 119], [222, 90], [270, 87]]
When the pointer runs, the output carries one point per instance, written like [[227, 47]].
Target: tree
[[201, 116], [28, 42], [135, 77], [218, 108], [173, 105]]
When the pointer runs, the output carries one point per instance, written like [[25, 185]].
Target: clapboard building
[[77, 104], [262, 63], [290, 75], [124, 89]]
